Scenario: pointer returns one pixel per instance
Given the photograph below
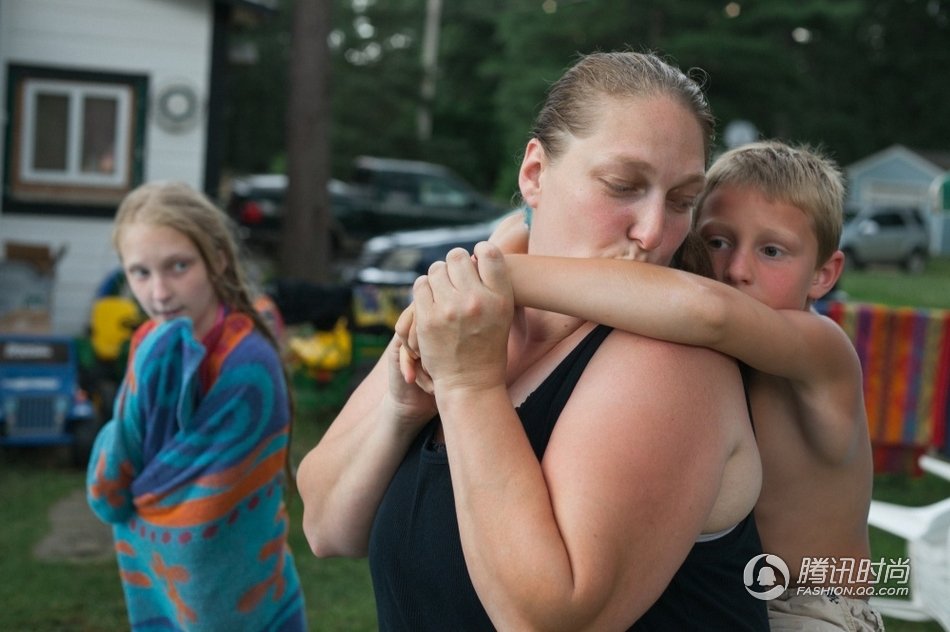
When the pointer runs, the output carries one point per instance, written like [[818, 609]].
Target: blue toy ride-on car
[[41, 402]]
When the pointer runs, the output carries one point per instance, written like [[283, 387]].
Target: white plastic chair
[[935, 466], [927, 531]]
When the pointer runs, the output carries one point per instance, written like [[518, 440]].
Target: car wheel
[[916, 262]]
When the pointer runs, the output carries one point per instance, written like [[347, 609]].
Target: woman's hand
[[413, 405], [463, 312]]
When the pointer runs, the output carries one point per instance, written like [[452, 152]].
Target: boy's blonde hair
[[798, 175]]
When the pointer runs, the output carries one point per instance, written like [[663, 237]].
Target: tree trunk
[[305, 242]]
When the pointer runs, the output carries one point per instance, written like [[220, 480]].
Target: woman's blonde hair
[[571, 107]]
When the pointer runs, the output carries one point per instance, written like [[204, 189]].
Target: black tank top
[[419, 574]]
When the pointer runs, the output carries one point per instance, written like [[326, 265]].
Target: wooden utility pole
[[305, 240], [430, 68]]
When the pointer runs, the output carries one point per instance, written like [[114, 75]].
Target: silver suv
[[886, 235]]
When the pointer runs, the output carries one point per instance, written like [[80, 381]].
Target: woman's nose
[[648, 225]]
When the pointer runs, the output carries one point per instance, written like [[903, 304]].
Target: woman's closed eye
[[683, 204], [623, 187]]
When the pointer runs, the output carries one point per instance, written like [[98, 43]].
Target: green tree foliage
[[256, 106], [854, 76]]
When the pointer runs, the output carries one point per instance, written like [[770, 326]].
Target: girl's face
[[624, 192], [167, 275]]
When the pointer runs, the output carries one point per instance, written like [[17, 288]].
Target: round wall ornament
[[176, 107]]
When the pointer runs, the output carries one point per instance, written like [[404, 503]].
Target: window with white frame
[[76, 141], [75, 133]]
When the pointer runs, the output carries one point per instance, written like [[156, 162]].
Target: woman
[[563, 484], [190, 471]]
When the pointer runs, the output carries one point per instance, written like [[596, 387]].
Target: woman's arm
[[685, 308], [343, 478], [589, 537]]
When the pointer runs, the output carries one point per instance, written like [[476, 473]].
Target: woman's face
[[167, 275], [624, 192]]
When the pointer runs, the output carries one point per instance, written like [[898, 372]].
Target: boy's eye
[[771, 251], [137, 273], [716, 243]]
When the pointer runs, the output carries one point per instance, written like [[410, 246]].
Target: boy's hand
[[511, 235]]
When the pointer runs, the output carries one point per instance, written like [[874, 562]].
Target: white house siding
[[87, 258], [893, 176], [169, 41]]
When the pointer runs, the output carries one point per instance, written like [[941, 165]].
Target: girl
[[191, 470]]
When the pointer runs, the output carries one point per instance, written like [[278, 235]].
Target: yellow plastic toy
[[324, 352], [111, 323]]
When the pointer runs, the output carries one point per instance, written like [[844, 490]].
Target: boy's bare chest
[[777, 417]]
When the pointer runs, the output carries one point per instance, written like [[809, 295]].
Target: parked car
[[893, 235], [385, 195], [396, 195], [256, 203], [389, 265]]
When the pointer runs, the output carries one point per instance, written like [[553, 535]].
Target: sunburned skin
[[807, 406]]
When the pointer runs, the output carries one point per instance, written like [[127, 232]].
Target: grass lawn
[[87, 597], [62, 596], [891, 286], [68, 597]]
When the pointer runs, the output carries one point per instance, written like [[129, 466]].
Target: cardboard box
[[40, 256], [27, 274]]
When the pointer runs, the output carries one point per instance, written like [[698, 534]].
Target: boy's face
[[766, 249]]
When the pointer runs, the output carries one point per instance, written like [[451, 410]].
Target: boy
[[771, 216]]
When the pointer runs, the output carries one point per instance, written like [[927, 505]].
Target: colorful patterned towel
[[905, 354], [190, 477]]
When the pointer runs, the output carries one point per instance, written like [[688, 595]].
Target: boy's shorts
[[791, 612]]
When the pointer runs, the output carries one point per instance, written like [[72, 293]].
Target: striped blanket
[[190, 475], [905, 355]]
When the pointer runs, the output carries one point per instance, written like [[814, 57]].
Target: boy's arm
[[673, 305], [511, 234]]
